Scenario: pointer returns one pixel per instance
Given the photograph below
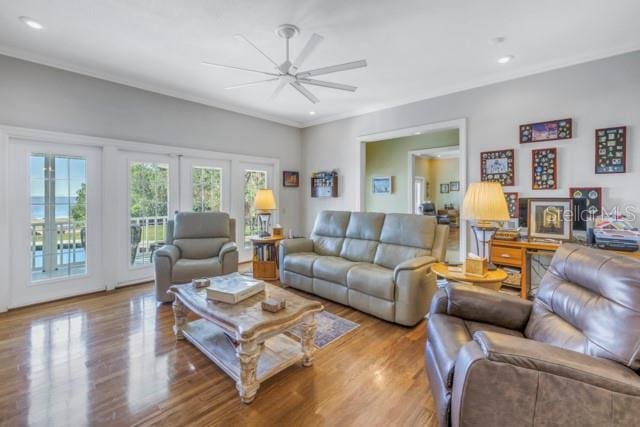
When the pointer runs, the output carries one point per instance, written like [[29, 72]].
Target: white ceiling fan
[[287, 72]]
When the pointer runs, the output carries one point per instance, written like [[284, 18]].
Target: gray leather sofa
[[377, 263], [198, 244], [570, 357]]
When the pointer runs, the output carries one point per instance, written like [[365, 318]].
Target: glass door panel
[[254, 180], [206, 189]]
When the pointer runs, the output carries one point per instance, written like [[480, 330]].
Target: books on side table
[[233, 288]]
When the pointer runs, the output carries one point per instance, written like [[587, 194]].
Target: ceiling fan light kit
[[287, 72]]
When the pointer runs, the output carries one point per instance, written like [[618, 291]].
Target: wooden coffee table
[[261, 349]]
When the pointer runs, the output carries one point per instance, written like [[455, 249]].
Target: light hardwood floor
[[111, 359]]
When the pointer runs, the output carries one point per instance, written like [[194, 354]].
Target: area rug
[[329, 327]]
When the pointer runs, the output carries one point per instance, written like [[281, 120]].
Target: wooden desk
[[514, 253], [492, 280]]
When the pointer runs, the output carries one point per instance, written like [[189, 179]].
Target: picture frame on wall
[[546, 131], [444, 188], [454, 186], [381, 185], [290, 179], [587, 204], [550, 219], [611, 150], [544, 169], [512, 204], [498, 166]]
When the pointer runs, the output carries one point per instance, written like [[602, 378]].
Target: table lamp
[[484, 204], [264, 203]]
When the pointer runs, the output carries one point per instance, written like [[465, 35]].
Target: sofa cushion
[[208, 247], [186, 269], [365, 225], [359, 250], [300, 262], [332, 269], [372, 280], [329, 231], [327, 246], [188, 225], [390, 255], [447, 334], [418, 231]]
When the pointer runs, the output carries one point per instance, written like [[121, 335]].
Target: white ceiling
[[416, 49]]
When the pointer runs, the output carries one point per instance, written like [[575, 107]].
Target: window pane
[[253, 181], [61, 165], [207, 190]]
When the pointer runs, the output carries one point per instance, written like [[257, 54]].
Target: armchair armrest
[[290, 246], [538, 356], [227, 248], [412, 264], [169, 251], [482, 305]]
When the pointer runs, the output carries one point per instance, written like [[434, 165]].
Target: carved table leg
[[248, 352], [180, 317], [308, 338]]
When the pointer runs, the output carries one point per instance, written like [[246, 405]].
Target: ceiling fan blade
[[303, 90], [250, 43], [331, 85], [307, 50], [257, 82], [334, 68], [276, 92], [231, 67]]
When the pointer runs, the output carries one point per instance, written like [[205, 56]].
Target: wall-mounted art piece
[[381, 185], [587, 204], [549, 219], [544, 169], [290, 179], [546, 131], [444, 188], [454, 186], [512, 204], [498, 166], [611, 150]]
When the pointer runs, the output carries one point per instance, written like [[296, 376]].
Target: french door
[[205, 185], [55, 221]]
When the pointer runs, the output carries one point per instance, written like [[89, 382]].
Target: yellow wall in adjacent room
[[390, 158]]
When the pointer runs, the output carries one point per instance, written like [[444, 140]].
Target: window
[[207, 188], [254, 180]]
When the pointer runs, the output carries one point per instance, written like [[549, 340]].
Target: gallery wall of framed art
[[498, 166]]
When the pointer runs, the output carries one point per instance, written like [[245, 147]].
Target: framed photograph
[[454, 186], [381, 185], [498, 166], [544, 169], [512, 204], [550, 219], [290, 179], [587, 203], [611, 150], [546, 131], [444, 188]]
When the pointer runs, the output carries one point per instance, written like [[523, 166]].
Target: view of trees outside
[[207, 189], [148, 208], [253, 181]]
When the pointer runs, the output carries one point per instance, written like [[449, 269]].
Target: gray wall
[[598, 94], [41, 97]]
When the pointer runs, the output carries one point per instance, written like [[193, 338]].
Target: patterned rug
[[329, 327]]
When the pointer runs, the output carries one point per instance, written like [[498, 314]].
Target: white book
[[233, 288]]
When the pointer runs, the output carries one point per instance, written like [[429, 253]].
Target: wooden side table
[[492, 280], [265, 257]]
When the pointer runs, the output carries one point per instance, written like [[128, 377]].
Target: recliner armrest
[[290, 246], [227, 248], [170, 251], [554, 360], [482, 305], [412, 264]]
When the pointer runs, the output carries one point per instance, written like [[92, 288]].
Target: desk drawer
[[506, 256]]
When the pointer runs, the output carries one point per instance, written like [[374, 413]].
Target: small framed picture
[[587, 204], [546, 131], [544, 169], [550, 219], [454, 186], [381, 185], [512, 204], [498, 166], [444, 188], [290, 179], [611, 150]]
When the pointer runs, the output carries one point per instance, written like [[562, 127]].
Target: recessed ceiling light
[[417, 133], [31, 23], [312, 113], [506, 59], [497, 40]]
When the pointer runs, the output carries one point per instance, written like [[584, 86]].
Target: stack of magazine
[[233, 288]]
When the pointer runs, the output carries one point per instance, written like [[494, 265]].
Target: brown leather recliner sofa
[[570, 357]]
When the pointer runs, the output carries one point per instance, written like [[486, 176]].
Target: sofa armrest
[[439, 249], [227, 248], [542, 357], [415, 285], [290, 246], [170, 251], [482, 305], [412, 264]]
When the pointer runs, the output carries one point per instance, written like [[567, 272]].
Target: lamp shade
[[265, 201], [485, 201]]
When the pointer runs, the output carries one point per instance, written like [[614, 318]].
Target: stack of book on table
[[233, 288]]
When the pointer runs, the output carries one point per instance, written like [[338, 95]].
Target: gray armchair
[[199, 244], [572, 357]]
